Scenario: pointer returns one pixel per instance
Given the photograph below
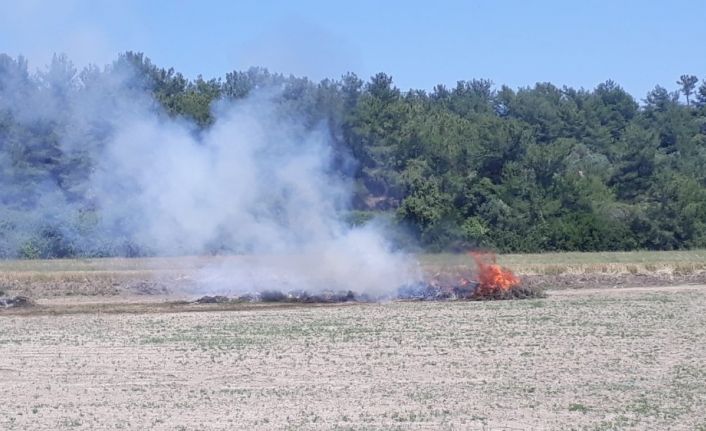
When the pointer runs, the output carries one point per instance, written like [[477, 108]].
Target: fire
[[492, 278]]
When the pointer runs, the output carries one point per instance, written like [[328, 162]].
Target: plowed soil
[[594, 359]]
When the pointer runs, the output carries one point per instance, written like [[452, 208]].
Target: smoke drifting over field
[[255, 183]]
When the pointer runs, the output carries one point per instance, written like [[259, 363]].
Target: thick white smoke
[[257, 184]]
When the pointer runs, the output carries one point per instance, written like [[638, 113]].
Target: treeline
[[526, 170]]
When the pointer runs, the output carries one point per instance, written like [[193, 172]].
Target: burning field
[[486, 280], [480, 280], [179, 281], [125, 344]]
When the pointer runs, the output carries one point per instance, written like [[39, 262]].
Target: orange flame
[[491, 276]]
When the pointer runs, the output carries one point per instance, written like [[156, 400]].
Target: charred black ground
[[15, 302], [432, 291]]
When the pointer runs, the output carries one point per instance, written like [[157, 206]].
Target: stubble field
[[594, 359]]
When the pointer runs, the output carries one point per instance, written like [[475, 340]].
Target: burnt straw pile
[[489, 281], [443, 289], [15, 302], [296, 296]]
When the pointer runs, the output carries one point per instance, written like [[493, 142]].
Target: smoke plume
[[257, 184]]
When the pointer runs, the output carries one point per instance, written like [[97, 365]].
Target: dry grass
[[580, 359], [114, 276], [97, 277], [110, 264], [633, 262], [551, 262]]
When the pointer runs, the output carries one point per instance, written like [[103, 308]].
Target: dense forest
[[523, 170]]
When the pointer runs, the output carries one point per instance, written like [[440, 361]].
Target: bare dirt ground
[[593, 359]]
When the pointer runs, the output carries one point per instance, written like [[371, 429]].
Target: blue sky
[[636, 43]]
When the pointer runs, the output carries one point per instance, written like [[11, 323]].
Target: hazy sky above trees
[[638, 43]]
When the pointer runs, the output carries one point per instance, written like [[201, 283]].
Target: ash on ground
[[297, 296], [444, 289], [427, 291], [15, 302]]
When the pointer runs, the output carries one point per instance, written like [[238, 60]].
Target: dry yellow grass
[[113, 276], [633, 262], [517, 261]]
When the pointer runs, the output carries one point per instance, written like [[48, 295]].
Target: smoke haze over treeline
[[93, 166], [133, 159]]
